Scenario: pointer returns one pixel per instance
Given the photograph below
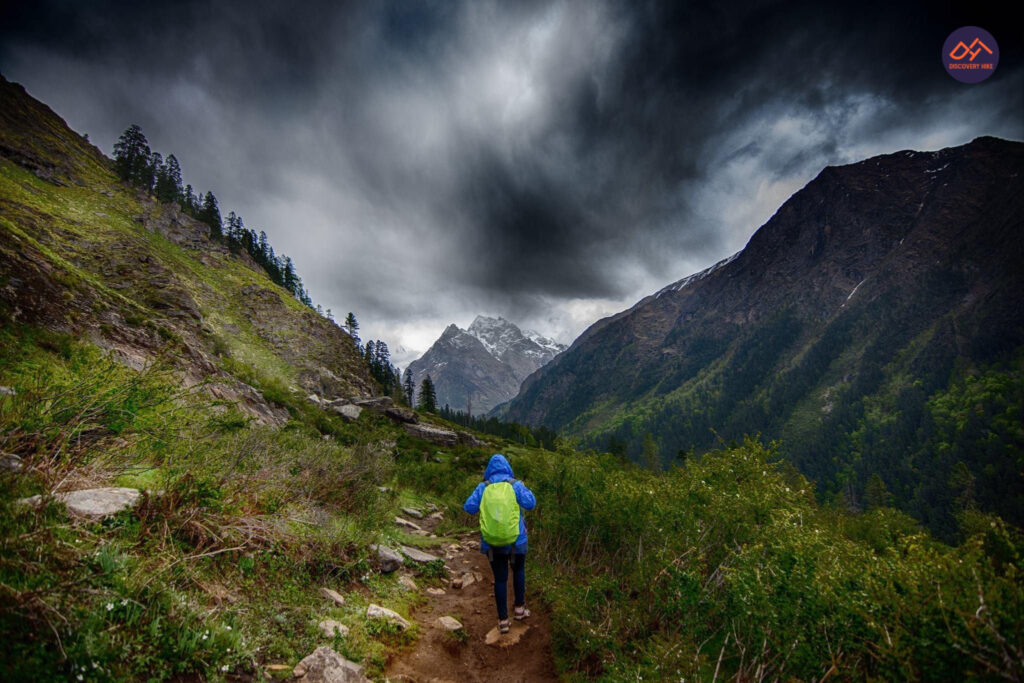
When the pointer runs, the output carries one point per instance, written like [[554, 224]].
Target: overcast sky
[[551, 162]]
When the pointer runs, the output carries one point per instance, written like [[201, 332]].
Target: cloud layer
[[550, 162]]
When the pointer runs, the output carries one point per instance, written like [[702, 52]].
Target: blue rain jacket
[[498, 469]]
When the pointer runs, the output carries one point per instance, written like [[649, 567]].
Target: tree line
[[138, 165]]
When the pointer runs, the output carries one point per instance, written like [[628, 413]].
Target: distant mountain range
[[875, 325], [481, 367]]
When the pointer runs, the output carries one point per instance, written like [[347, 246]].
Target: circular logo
[[970, 54]]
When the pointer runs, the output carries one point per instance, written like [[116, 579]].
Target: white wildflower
[[110, 606]]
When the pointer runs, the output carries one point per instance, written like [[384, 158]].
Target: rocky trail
[[479, 652]]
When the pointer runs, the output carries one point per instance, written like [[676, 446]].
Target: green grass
[[219, 566]]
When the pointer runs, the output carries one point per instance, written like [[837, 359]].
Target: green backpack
[[499, 514]]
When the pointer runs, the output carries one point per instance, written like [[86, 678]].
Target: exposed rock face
[[325, 665], [484, 364], [522, 350]]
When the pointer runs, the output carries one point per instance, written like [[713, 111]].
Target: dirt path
[[437, 657]]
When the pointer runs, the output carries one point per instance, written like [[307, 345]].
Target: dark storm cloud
[[424, 162]]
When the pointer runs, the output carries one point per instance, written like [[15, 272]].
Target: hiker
[[503, 522]]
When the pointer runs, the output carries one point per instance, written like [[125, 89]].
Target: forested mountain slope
[[874, 324]]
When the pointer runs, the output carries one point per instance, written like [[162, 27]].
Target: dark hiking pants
[[499, 565]]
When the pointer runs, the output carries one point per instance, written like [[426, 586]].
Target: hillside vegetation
[[135, 352]]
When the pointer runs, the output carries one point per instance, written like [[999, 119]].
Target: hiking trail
[[438, 656]]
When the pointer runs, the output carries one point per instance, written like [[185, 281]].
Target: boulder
[[467, 579], [417, 555], [435, 435], [325, 665], [400, 414], [407, 582], [94, 503], [437, 592], [10, 462], [467, 439], [384, 614], [348, 411], [8, 391], [389, 558], [411, 526], [332, 595], [413, 512], [449, 623], [498, 639], [377, 403], [100, 503], [330, 627]]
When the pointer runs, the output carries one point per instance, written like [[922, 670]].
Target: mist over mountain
[[853, 326], [478, 368]]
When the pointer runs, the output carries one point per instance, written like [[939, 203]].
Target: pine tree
[[876, 495], [132, 155], [210, 214], [352, 327], [155, 170], [408, 386], [189, 202], [168, 181], [428, 399]]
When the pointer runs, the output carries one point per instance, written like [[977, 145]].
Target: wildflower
[[95, 665], [80, 677], [225, 667], [110, 606], [124, 602], [228, 627]]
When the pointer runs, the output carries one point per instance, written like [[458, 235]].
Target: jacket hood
[[498, 468]]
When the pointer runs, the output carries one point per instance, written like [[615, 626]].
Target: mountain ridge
[[901, 265], [482, 366]]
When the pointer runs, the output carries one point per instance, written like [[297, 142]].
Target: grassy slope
[[137, 274]]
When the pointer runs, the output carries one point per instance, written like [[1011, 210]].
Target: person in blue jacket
[[497, 470]]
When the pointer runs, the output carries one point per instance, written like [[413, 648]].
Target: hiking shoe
[[503, 626], [520, 613]]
